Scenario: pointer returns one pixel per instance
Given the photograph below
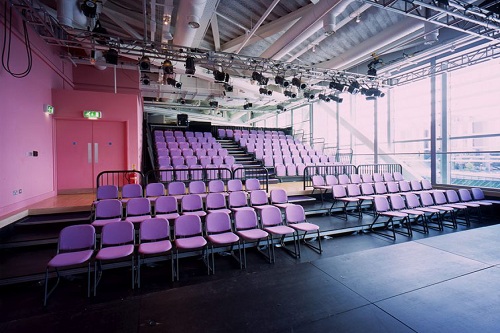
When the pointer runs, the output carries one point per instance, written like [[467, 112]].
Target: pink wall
[[92, 79], [70, 104], [24, 126]]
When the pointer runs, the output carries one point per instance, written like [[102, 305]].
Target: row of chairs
[[228, 133], [178, 133], [188, 145], [182, 141], [323, 184], [77, 244], [198, 172], [167, 206], [199, 152], [203, 161]]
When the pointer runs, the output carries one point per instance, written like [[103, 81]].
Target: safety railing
[[323, 170], [120, 177], [261, 173], [379, 168]]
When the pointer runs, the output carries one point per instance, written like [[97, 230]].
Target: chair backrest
[[117, 233], [426, 184], [252, 184], [388, 177], [353, 190], [367, 178], [215, 201], [392, 187], [404, 186], [191, 202], [343, 179], [166, 204], [367, 189], [381, 204], [338, 191], [331, 180], [439, 198], [464, 195], [258, 198], [155, 228], [477, 193], [176, 188], [377, 177], [238, 199], [318, 180], [397, 202], [138, 206], [397, 176], [108, 208], [216, 186], [245, 219], [197, 187], [107, 192], [76, 237], [234, 185], [278, 196], [412, 200], [271, 216], [295, 214], [218, 222], [132, 191], [426, 199], [416, 185], [355, 178], [452, 196], [155, 190], [187, 226], [380, 188]]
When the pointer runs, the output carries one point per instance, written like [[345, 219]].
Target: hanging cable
[[6, 49]]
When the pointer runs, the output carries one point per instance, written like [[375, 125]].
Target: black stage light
[[308, 95], [372, 71], [264, 91], [174, 83], [145, 80], [167, 66], [247, 106], [219, 76], [112, 57], [256, 76], [323, 97], [336, 98], [296, 82], [190, 68], [281, 107], [291, 94], [213, 104], [144, 63], [338, 86], [89, 8], [281, 81], [228, 87], [353, 88]]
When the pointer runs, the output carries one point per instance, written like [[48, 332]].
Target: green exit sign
[[92, 114], [49, 109]]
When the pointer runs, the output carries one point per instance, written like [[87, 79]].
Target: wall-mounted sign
[[49, 109], [89, 114]]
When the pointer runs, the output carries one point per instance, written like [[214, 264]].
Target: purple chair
[[107, 192], [392, 187], [107, 211], [191, 160], [427, 200], [166, 207], [466, 197], [75, 247], [404, 186], [245, 222], [382, 208], [355, 178], [216, 202], [191, 204], [339, 194], [388, 177], [272, 223], [219, 233], [344, 179], [367, 178], [259, 200], [380, 188], [154, 190], [176, 189], [138, 210], [377, 177], [154, 239], [234, 185], [131, 191], [117, 242], [188, 236], [279, 198], [216, 186], [397, 176], [296, 219], [198, 187], [479, 196], [412, 202], [229, 160], [252, 184], [238, 201], [318, 183], [196, 172], [399, 204]]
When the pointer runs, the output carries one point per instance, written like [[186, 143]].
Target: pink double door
[[84, 148]]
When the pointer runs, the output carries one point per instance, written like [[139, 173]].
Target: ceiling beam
[[118, 20], [215, 31]]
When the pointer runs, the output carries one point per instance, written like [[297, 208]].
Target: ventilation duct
[[431, 32], [70, 15]]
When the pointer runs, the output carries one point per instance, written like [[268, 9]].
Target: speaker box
[[182, 120]]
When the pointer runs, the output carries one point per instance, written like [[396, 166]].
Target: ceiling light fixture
[[144, 63], [190, 67], [145, 80], [193, 21], [308, 95], [290, 94], [174, 83], [298, 83], [220, 76], [246, 106], [358, 18], [353, 88], [338, 86], [256, 76], [167, 66], [281, 81], [324, 97], [336, 98], [112, 57], [264, 91]]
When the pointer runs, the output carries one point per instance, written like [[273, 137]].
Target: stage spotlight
[[190, 68], [112, 57], [247, 106], [372, 72], [213, 104], [145, 80], [281, 108], [256, 76], [219, 76], [182, 101], [174, 83], [336, 98], [89, 8], [264, 91], [296, 82], [324, 97], [291, 94], [378, 93], [338, 86], [308, 95], [144, 63], [353, 88], [167, 66], [228, 87], [281, 81]]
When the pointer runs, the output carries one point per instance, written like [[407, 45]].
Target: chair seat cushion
[[70, 258], [115, 252], [103, 222], [412, 211], [279, 230], [155, 247], [394, 214], [224, 210], [304, 226], [200, 213], [283, 205], [252, 234], [428, 210], [137, 219], [168, 216], [445, 208], [223, 238], [190, 242]]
